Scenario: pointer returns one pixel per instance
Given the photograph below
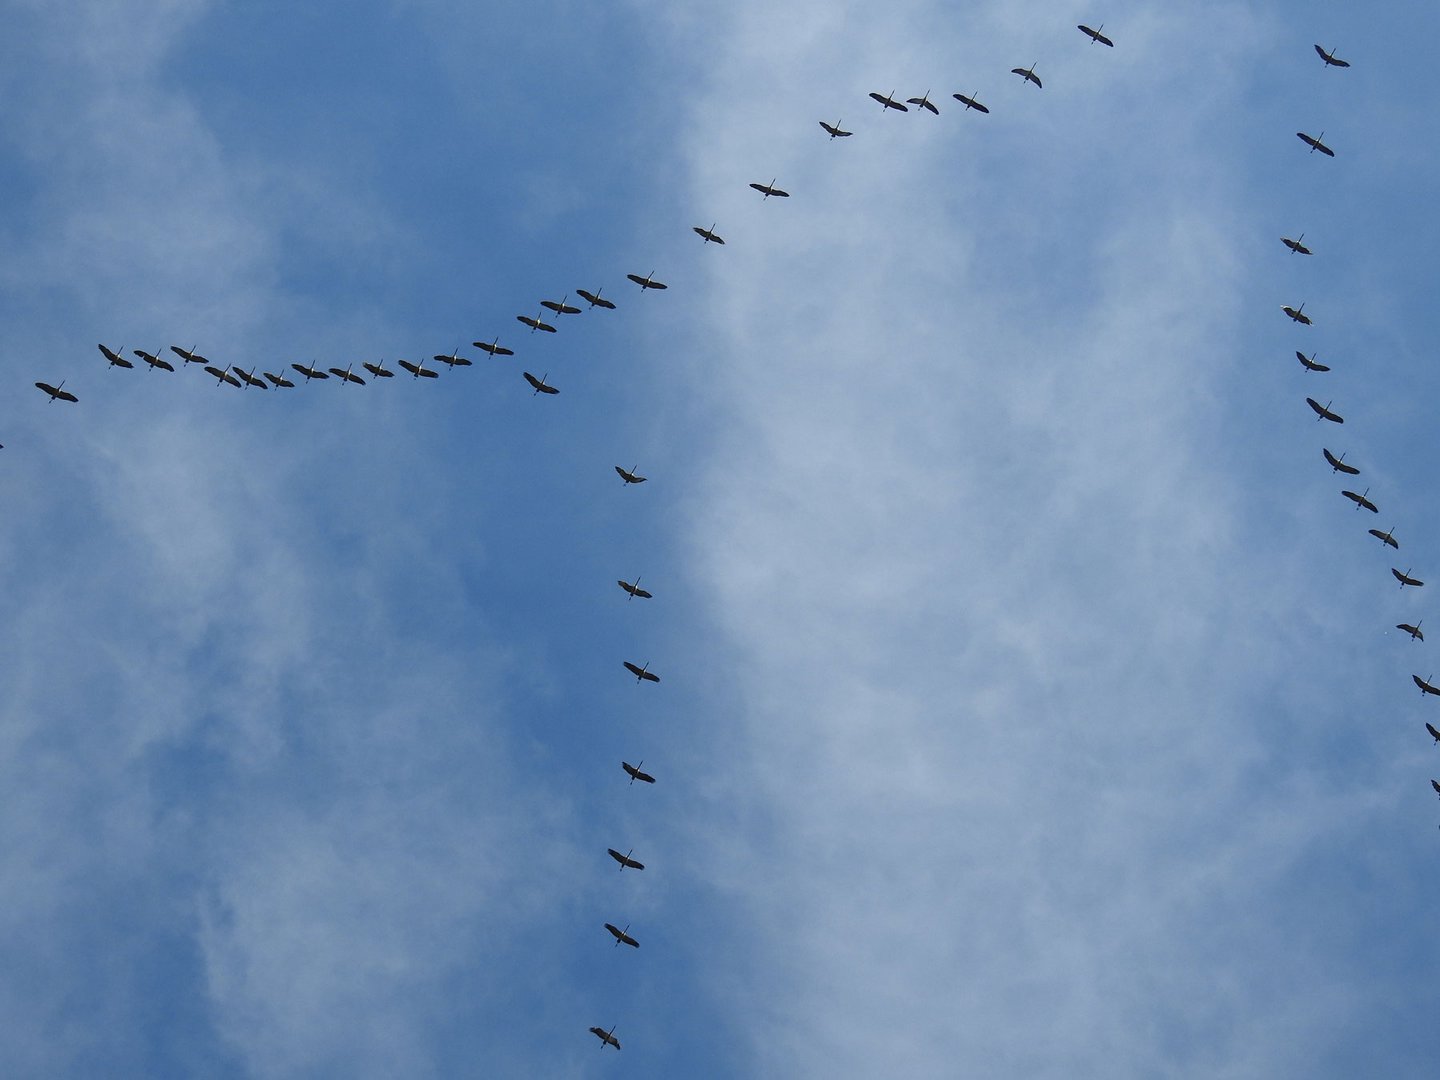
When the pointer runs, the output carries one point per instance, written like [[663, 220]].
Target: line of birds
[[1361, 499]]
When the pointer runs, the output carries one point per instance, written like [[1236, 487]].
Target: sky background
[[1030, 702]]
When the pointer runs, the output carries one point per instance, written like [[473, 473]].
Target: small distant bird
[[708, 234], [642, 674], [636, 774], [1323, 412], [925, 103], [57, 393], [494, 348], [251, 379], [535, 324], [607, 1038], [648, 282], [970, 103], [279, 380], [153, 360], [1315, 144], [419, 371], [770, 189], [1413, 631], [380, 371], [1425, 686], [190, 356], [560, 307], [222, 375], [1360, 500], [834, 130], [625, 861], [1095, 35], [1296, 246], [629, 477], [634, 590], [1309, 362], [594, 298], [1330, 59], [1298, 314], [346, 375], [310, 372], [1338, 464], [1028, 74], [1405, 578], [1386, 538], [622, 936], [453, 360], [116, 360], [539, 384], [888, 102]]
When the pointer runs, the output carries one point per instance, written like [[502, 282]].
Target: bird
[[454, 360], [1298, 314], [1338, 464], [1436, 785], [1296, 246], [1413, 631], [1323, 412], [153, 360], [1309, 362], [1425, 687], [310, 372], [1313, 141], [560, 307], [648, 282], [1434, 734], [539, 384], [190, 356], [834, 130], [630, 477], [887, 102], [642, 674], [1330, 58], [770, 189], [594, 298], [346, 375], [535, 324], [250, 377], [116, 360], [1405, 578], [636, 774], [607, 1038], [1028, 74], [380, 371], [280, 380], [970, 103], [58, 393], [622, 935], [1386, 538], [494, 348], [625, 861], [1360, 500], [925, 103], [634, 590], [708, 234], [222, 375], [419, 371], [1095, 35]]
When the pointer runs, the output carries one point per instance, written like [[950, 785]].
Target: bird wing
[[1434, 734], [615, 930], [779, 194], [66, 395], [633, 669], [408, 366], [531, 379], [649, 676], [640, 280]]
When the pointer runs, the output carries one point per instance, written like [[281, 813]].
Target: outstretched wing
[[1337, 464], [1434, 734]]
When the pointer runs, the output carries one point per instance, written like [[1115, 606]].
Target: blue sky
[[1030, 702]]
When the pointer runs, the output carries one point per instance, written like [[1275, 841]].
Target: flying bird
[[607, 1038], [1360, 500], [279, 380], [539, 384], [310, 372], [925, 103], [622, 936], [888, 102], [1296, 246], [1298, 314], [1028, 74], [648, 282], [625, 861], [1338, 464], [770, 189], [708, 234], [250, 377], [1309, 362], [153, 360], [535, 324], [346, 375], [380, 371], [1426, 688], [1386, 538], [636, 774], [57, 393], [1405, 578], [453, 360], [190, 356], [222, 375], [560, 307], [419, 371], [634, 590], [1323, 413], [1330, 59], [1434, 734], [642, 674], [1095, 35], [630, 477], [970, 103], [116, 360], [594, 298], [834, 130], [494, 348], [1413, 631], [1313, 141]]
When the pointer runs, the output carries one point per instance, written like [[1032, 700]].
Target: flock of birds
[[240, 378], [1325, 412]]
